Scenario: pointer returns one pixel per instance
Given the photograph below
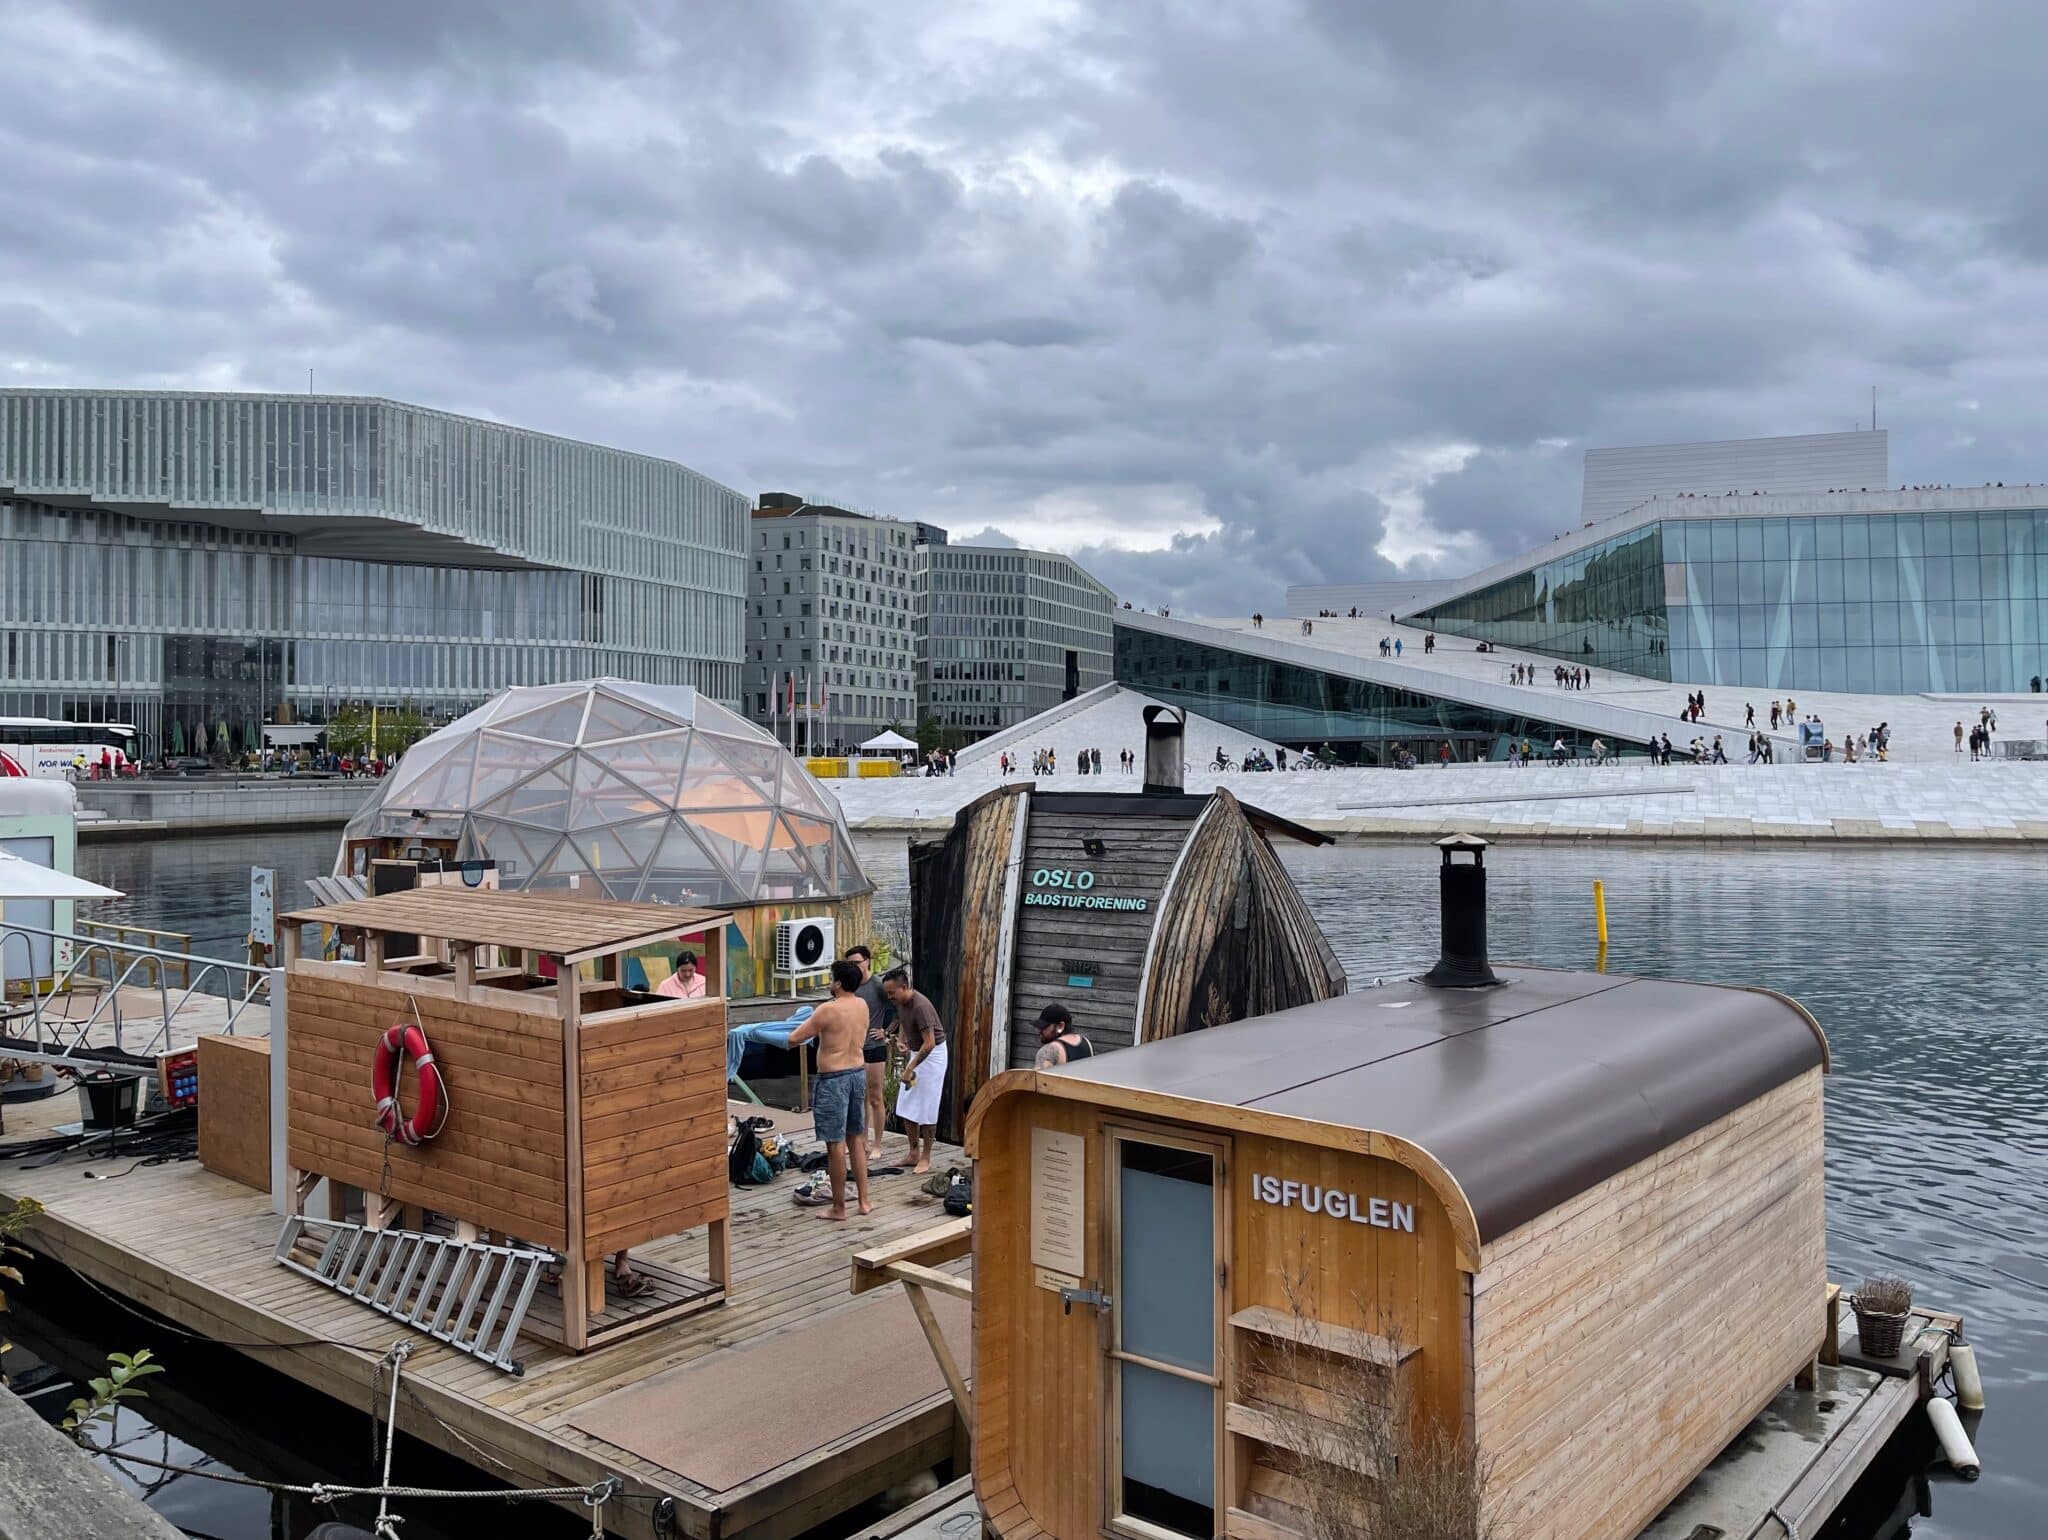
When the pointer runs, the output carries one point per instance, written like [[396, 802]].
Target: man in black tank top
[[1058, 1042]]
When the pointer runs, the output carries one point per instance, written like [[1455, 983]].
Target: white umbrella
[[21, 878], [887, 742]]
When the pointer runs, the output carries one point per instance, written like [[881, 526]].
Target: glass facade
[[187, 561], [1868, 603], [1299, 707], [1003, 634]]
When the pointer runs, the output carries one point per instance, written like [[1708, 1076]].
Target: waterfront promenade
[[1634, 800]]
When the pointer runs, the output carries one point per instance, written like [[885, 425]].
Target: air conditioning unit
[[804, 946]]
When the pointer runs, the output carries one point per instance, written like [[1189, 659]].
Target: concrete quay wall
[[194, 806]]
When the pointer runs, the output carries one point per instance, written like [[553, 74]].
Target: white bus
[[40, 747]]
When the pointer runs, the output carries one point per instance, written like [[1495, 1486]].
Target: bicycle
[[1222, 764]]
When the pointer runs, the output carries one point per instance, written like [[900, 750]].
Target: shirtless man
[[838, 1094]]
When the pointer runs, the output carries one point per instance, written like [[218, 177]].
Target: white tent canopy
[[887, 743], [22, 878]]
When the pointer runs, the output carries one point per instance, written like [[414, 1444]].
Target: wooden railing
[[144, 944], [914, 1262]]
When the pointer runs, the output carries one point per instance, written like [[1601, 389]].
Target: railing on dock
[[168, 950], [135, 1013]]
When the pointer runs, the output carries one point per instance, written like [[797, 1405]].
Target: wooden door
[[1167, 1274]]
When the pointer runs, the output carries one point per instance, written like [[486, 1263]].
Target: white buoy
[[1955, 1443], [1962, 1358]]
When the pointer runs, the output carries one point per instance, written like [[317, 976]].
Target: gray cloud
[[1220, 297]]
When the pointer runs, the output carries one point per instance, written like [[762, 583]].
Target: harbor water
[[1924, 966]]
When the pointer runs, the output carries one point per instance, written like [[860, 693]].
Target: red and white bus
[[38, 746]]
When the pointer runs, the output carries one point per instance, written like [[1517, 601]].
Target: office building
[[1005, 633], [1872, 593], [829, 623], [199, 563]]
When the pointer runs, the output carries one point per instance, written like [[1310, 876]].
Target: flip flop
[[629, 1285]]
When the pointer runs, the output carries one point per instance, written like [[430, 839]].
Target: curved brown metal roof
[[1526, 1094]]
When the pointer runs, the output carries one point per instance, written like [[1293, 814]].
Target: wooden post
[[465, 972], [942, 1350], [373, 957], [575, 1279], [719, 1237]]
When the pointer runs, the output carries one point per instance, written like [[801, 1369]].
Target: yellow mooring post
[[1600, 913]]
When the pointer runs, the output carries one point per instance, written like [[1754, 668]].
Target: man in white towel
[[924, 1070]]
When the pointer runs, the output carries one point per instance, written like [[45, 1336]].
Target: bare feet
[[867, 1208], [922, 1168], [836, 1214]]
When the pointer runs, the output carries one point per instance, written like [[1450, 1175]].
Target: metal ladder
[[468, 1294]]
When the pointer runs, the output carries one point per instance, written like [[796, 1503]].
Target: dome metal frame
[[654, 793]]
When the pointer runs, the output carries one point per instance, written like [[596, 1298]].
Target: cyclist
[[1599, 752]]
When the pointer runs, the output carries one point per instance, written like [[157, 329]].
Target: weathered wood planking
[[196, 1249], [1715, 1250], [1092, 960], [957, 919], [1235, 937]]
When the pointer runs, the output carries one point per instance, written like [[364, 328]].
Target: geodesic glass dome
[[655, 792]]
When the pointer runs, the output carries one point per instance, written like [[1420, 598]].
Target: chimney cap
[[1462, 842]]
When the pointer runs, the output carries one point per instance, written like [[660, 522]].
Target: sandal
[[629, 1285]]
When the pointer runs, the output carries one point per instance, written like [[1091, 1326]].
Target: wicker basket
[[1878, 1334]]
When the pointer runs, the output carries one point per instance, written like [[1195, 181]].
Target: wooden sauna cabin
[[1516, 1258], [1146, 915], [582, 1117]]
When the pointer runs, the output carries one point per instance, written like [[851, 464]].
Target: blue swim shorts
[[839, 1104]]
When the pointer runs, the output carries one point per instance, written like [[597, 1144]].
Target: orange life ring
[[408, 1040]]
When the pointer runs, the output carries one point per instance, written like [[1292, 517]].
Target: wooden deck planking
[[197, 1249]]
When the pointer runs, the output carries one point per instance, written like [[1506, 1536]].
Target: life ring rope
[[402, 1040]]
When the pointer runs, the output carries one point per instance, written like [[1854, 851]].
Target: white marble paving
[[1833, 801]]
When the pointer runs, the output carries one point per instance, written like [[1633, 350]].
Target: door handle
[[1091, 1297]]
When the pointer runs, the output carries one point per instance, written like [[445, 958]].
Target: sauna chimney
[[1462, 896], [1165, 728]]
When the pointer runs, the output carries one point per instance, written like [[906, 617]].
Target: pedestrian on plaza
[[1959, 737], [1720, 755], [924, 1073], [1443, 755], [1282, 755], [1749, 714], [1397, 646], [838, 1102], [1774, 716]]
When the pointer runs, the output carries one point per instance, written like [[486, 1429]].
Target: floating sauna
[[635, 792], [1543, 1241], [1145, 915], [582, 1117]]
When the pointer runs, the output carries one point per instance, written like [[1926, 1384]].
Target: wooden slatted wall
[[1622, 1339], [500, 1160], [653, 1112]]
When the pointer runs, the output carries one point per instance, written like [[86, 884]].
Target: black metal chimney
[[1462, 895], [1165, 762]]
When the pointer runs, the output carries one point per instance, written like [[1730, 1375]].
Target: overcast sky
[[1217, 297]]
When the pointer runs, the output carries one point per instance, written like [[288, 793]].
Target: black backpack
[[746, 1147], [959, 1195]]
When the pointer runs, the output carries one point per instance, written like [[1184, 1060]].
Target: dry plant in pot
[[1882, 1305]]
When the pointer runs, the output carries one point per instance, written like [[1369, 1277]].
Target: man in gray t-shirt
[[875, 1051]]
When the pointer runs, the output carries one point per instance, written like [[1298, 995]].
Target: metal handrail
[[66, 1040]]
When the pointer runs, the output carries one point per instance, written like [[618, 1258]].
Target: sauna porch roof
[[556, 924], [1527, 1094]]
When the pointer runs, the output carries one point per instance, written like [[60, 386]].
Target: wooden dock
[[197, 1249]]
